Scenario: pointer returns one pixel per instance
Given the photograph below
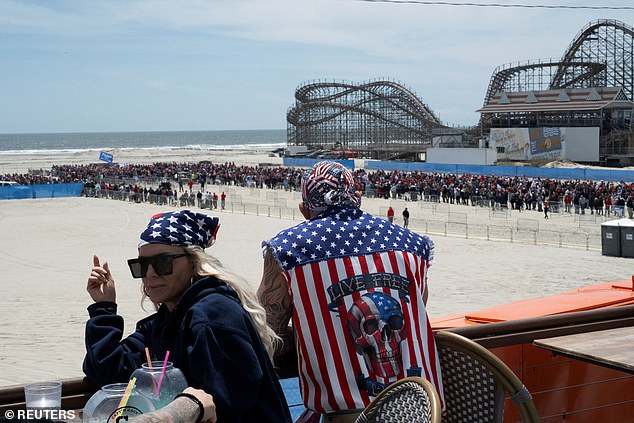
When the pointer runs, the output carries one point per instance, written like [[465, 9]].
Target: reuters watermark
[[40, 414]]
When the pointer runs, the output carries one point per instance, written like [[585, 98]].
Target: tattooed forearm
[[181, 410], [274, 296], [276, 299], [278, 306], [288, 341]]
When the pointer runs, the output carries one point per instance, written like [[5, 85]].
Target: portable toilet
[[626, 227], [611, 238]]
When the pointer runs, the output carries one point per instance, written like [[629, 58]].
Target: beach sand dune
[[47, 249]]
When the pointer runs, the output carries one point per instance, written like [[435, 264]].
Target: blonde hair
[[207, 265]]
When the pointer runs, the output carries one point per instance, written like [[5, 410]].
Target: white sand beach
[[14, 162], [47, 247]]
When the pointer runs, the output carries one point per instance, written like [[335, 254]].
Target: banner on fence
[[587, 174], [40, 191]]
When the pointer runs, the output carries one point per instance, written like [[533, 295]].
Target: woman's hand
[[208, 404], [101, 283]]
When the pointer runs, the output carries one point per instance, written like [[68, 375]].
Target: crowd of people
[[205, 172], [519, 193]]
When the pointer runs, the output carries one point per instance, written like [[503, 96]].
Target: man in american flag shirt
[[355, 286]]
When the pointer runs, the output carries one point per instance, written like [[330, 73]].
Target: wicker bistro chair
[[475, 383], [412, 399]]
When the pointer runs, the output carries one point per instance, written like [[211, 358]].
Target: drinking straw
[[149, 359], [149, 364], [167, 354], [126, 395]]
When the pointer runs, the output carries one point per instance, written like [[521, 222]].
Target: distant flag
[[106, 157]]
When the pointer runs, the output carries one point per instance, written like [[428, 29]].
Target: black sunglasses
[[162, 264]]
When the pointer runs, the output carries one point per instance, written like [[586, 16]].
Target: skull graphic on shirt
[[377, 328]]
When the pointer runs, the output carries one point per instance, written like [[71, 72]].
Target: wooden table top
[[610, 348]]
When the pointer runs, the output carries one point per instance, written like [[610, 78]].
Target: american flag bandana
[[328, 184], [183, 228]]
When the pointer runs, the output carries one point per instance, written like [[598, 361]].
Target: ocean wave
[[78, 143]]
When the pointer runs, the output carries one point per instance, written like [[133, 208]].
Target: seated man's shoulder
[[284, 233]]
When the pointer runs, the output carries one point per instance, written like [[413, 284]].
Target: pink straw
[[158, 390]]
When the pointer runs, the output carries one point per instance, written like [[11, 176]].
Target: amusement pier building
[[579, 107]]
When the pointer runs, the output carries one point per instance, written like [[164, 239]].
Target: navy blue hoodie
[[211, 339]]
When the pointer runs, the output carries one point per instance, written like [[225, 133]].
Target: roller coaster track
[[329, 100], [340, 109], [602, 54], [509, 78], [609, 42]]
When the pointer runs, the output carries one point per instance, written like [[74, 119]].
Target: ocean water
[[202, 140]]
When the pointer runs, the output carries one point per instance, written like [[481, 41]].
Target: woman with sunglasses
[[207, 318]]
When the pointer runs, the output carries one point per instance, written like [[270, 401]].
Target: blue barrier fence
[[583, 174], [40, 191], [612, 175], [309, 162]]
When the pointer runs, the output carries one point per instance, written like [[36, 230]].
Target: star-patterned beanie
[[183, 228]]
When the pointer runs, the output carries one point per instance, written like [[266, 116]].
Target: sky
[[164, 65]]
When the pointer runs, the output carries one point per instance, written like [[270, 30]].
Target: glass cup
[[105, 405], [158, 386], [43, 395]]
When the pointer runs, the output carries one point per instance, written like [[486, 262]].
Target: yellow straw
[[126, 395]]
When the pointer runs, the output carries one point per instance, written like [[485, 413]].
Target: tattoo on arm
[[181, 410], [276, 299]]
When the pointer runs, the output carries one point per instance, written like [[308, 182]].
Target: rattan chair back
[[475, 383], [408, 400]]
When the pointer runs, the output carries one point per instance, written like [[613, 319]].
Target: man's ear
[[305, 211]]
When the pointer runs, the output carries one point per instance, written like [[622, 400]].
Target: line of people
[[520, 193]]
